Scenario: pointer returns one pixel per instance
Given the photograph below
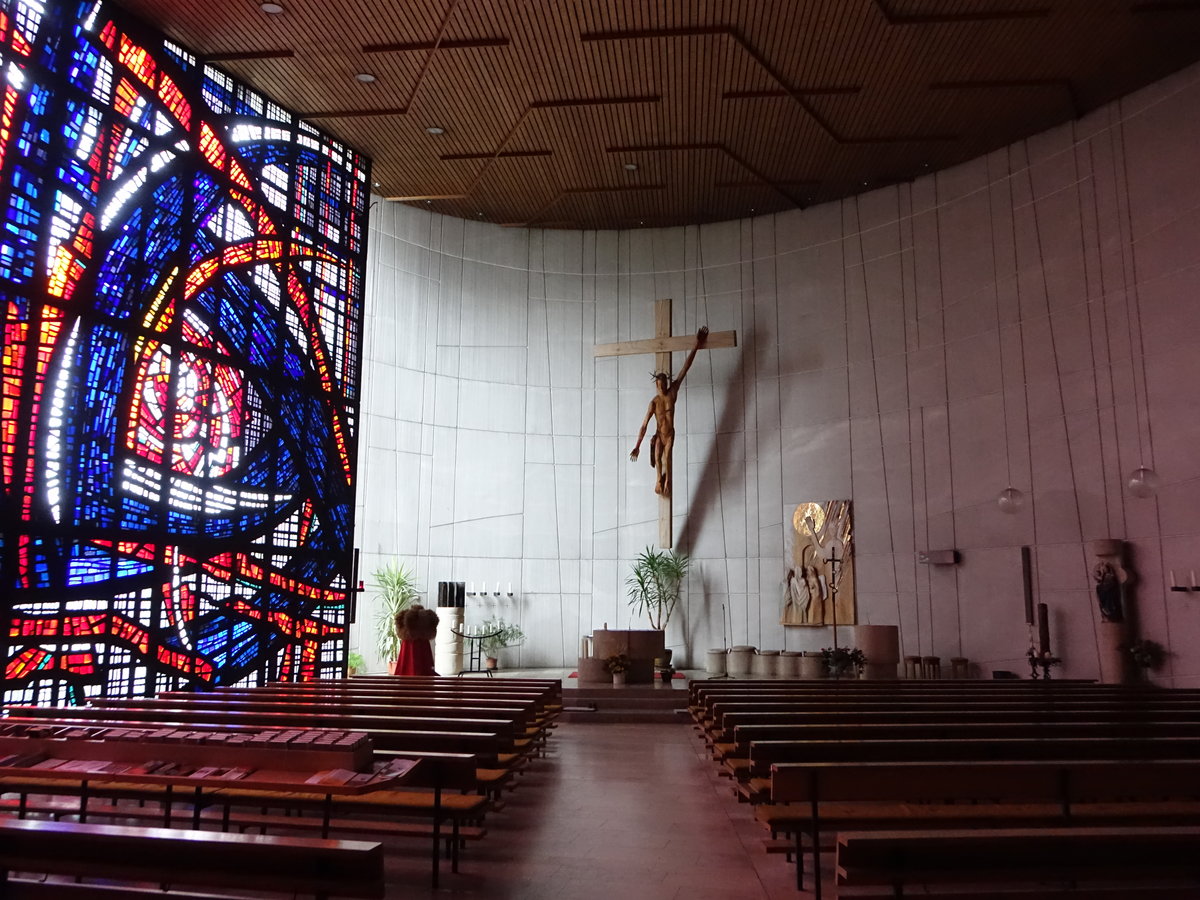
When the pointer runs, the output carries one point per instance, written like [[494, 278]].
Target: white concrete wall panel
[[1028, 317]]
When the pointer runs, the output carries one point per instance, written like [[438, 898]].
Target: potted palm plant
[[655, 586], [500, 634], [397, 592]]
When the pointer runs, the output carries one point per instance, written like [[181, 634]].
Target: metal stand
[[476, 652], [1045, 663]]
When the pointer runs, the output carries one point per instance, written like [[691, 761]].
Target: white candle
[[1173, 582], [1193, 577], [510, 588], [498, 585], [471, 588]]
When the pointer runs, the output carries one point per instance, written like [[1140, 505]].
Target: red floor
[[616, 812]]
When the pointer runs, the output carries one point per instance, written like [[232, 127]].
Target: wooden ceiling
[[726, 108]]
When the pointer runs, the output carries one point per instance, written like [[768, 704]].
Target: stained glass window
[[181, 298]]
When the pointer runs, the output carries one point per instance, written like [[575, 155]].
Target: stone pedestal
[[448, 648], [811, 666], [881, 646], [1115, 665]]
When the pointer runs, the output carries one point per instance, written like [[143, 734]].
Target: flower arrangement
[[840, 660], [618, 663], [1146, 654]]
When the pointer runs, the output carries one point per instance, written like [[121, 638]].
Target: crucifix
[[662, 407]]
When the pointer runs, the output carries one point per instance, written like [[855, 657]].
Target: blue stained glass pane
[[187, 417]]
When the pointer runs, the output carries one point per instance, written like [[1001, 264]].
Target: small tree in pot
[[655, 588], [656, 584], [397, 592]]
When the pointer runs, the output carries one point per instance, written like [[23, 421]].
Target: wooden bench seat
[[320, 868], [1088, 857], [808, 798]]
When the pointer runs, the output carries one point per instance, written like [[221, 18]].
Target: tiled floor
[[616, 812]]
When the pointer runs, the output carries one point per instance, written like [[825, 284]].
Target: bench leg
[[799, 854], [437, 828], [815, 836]]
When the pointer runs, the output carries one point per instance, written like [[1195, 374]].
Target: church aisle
[[618, 812]]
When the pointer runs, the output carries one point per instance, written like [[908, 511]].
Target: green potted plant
[[500, 634], [397, 592], [355, 664], [617, 666], [656, 584], [843, 661], [1147, 655]]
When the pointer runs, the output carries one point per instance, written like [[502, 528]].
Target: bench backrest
[[193, 858], [744, 735], [834, 717], [763, 753], [484, 745], [1057, 781]]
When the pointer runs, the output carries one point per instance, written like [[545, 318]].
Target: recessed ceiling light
[[374, 184], [435, 129], [364, 77], [271, 9], [630, 167]]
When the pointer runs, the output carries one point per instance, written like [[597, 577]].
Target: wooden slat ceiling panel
[[728, 108]]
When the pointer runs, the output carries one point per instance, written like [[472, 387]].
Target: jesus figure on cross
[[662, 410]]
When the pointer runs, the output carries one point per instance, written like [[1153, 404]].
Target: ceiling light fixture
[[631, 167], [271, 9], [435, 129], [374, 184], [364, 77]]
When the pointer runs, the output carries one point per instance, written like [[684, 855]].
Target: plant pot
[[392, 666], [491, 663], [618, 679], [666, 675]]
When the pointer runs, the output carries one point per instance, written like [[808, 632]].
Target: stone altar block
[[642, 648]]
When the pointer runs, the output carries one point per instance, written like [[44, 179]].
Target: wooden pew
[[701, 691], [897, 711], [427, 796], [486, 745], [748, 757], [546, 700], [549, 689], [322, 868], [1159, 860], [808, 798], [734, 718]]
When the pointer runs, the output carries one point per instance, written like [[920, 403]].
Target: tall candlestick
[[1043, 629]]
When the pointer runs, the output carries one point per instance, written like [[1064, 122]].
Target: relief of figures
[[819, 583]]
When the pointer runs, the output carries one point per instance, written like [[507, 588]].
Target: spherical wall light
[[1010, 500], [1143, 482]]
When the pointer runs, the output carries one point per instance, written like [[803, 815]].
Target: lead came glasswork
[[181, 294]]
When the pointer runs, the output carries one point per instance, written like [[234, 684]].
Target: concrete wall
[[1029, 317]]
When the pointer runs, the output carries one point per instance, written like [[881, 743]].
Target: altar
[[642, 647]]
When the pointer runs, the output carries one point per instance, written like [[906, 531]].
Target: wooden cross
[[662, 345]]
